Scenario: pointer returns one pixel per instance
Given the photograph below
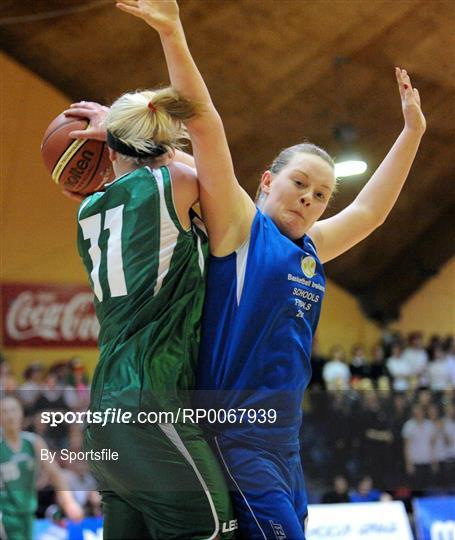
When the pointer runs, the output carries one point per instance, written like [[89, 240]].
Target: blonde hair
[[149, 118]]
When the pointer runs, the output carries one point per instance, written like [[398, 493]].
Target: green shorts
[[17, 526], [166, 483]]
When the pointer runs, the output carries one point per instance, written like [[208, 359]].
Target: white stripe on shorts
[[241, 492], [171, 433]]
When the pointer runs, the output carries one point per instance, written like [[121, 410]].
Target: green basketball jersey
[[17, 476], [147, 275]]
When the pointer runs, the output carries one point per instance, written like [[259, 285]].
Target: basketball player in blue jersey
[[266, 284]]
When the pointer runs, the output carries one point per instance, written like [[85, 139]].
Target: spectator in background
[[448, 343], [367, 493], [417, 359], [52, 394], [389, 339], [30, 390], [339, 493], [438, 443], [397, 416], [435, 342], [399, 369], [317, 365], [424, 398], [51, 399], [359, 365], [439, 373], [77, 393], [20, 460], [336, 373], [62, 371], [418, 433], [376, 366], [376, 438], [449, 348]]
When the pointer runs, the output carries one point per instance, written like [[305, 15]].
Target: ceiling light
[[349, 168]]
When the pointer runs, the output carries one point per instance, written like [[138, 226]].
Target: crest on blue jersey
[[308, 265]]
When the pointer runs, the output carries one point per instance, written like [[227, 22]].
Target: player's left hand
[[74, 511], [414, 119], [96, 114], [162, 15]]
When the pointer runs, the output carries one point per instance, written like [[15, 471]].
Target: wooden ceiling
[[280, 71]]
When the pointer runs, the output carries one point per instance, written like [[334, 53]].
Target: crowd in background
[[64, 386], [389, 416], [375, 426]]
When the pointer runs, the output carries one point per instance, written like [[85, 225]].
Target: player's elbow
[[208, 121]]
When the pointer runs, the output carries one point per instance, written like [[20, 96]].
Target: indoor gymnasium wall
[[432, 308], [343, 323], [38, 224]]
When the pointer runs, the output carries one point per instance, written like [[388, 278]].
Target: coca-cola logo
[[61, 316]]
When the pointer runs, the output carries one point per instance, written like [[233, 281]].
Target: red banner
[[36, 315]]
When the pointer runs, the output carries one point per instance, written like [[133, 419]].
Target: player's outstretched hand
[[74, 511], [96, 114], [162, 15], [410, 103]]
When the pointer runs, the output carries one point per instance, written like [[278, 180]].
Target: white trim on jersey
[[115, 180], [171, 433], [168, 234], [91, 228], [238, 487], [115, 273], [201, 259], [240, 263], [197, 222], [82, 206]]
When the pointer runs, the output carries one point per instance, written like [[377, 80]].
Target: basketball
[[78, 165]]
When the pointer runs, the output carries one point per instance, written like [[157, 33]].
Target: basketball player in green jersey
[[145, 260], [21, 454]]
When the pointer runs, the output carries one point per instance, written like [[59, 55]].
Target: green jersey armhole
[[169, 199]]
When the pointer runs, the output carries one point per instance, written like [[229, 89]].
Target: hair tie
[[151, 106]]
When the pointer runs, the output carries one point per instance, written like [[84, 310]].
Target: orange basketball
[[80, 166]]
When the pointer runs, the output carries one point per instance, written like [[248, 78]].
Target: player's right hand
[[96, 114]]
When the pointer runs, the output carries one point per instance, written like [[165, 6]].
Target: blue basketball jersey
[[261, 310]]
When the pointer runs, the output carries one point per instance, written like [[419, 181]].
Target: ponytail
[[150, 118]]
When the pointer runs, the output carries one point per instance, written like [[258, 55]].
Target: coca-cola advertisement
[[36, 315]]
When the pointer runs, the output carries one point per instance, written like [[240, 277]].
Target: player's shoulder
[[87, 203], [180, 169]]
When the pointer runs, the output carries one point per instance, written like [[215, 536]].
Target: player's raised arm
[[369, 210], [64, 496], [228, 211]]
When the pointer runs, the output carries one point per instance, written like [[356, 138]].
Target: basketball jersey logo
[[308, 265], [278, 530]]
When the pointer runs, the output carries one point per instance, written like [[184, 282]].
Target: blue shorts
[[268, 490]]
